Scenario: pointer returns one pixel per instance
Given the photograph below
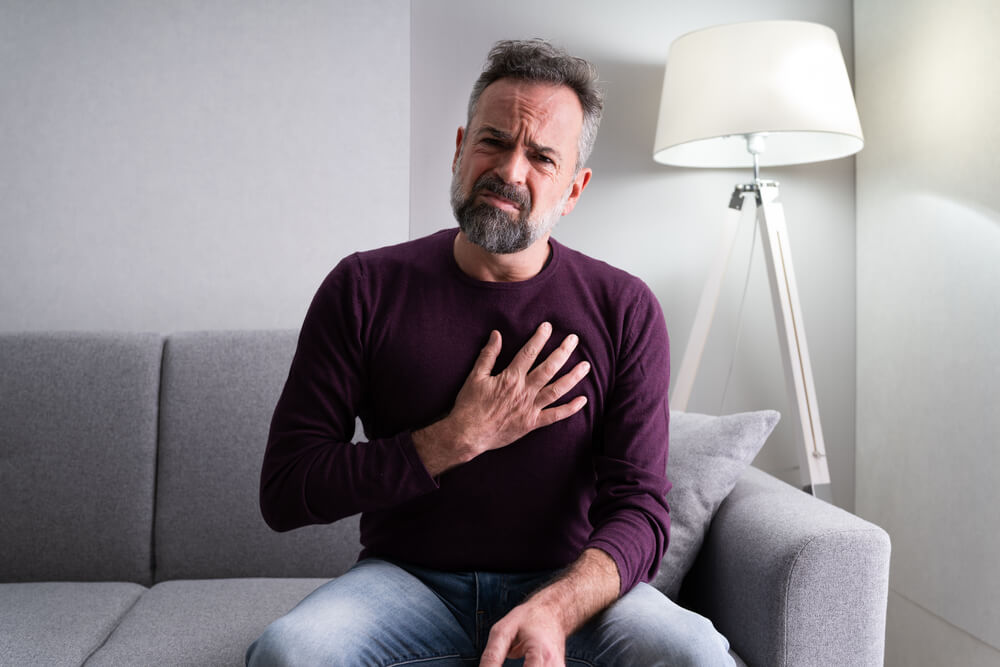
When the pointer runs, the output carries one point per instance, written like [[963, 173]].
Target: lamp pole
[[787, 315]]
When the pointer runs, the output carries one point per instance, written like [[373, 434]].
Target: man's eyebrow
[[507, 136]]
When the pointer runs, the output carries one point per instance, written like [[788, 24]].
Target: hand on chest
[[417, 368]]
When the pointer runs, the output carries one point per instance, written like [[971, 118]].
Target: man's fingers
[[560, 387], [555, 361], [487, 358], [559, 412], [525, 358], [497, 647], [533, 659]]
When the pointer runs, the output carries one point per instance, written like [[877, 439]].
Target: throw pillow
[[707, 456]]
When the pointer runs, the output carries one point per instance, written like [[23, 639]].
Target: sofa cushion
[[77, 455], [707, 456], [200, 622], [59, 623], [219, 391]]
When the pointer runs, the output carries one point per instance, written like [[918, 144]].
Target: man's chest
[[417, 358]]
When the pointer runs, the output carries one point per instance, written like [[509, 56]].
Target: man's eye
[[545, 159]]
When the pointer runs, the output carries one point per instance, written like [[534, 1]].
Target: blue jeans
[[381, 614]]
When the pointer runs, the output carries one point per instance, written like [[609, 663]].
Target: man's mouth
[[500, 201]]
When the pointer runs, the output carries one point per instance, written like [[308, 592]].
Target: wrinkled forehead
[[543, 110]]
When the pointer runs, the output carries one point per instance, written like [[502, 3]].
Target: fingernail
[[585, 366], [572, 338], [546, 327]]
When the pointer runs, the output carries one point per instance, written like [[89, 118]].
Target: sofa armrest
[[792, 580]]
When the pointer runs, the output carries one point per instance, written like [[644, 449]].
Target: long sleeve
[[312, 472], [391, 336], [630, 515]]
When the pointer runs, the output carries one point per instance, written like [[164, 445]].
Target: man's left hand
[[536, 630], [529, 631]]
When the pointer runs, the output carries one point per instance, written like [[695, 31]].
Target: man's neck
[[515, 267]]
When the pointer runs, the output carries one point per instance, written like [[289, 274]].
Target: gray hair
[[537, 60]]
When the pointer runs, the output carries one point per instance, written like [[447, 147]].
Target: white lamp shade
[[784, 79]]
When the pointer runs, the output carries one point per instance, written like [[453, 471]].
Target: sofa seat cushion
[[60, 623], [200, 622]]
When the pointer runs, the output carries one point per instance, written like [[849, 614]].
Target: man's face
[[514, 173]]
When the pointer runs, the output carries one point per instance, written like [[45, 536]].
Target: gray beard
[[494, 230]]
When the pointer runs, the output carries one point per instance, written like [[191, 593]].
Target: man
[[511, 510]]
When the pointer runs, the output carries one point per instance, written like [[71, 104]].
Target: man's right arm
[[312, 473]]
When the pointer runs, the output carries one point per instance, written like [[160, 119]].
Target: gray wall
[[928, 316], [194, 165], [202, 165], [657, 222]]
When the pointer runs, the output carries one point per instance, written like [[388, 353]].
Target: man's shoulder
[[624, 300], [598, 272], [367, 270], [408, 253]]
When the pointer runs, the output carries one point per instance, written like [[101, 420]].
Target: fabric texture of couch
[[130, 532]]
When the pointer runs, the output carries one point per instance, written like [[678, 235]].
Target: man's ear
[[458, 148], [580, 182]]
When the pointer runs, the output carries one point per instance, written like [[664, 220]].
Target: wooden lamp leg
[[788, 317], [792, 338], [706, 307]]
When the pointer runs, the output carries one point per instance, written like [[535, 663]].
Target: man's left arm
[[629, 513], [536, 630]]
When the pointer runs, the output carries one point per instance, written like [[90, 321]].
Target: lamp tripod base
[[788, 317]]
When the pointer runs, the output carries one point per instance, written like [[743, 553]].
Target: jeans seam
[[415, 661], [477, 640]]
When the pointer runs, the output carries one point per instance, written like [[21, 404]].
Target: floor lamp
[[758, 94]]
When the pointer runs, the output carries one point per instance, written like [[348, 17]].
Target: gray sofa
[[130, 534]]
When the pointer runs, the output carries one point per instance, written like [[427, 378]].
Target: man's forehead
[[510, 99]]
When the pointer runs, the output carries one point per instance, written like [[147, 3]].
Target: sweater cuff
[[619, 539], [420, 475]]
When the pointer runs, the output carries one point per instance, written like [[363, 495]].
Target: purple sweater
[[391, 336]]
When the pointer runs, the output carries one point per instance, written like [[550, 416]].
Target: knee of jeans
[[698, 644], [649, 631], [273, 647], [707, 646], [286, 642]]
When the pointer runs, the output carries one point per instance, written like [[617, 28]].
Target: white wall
[[660, 223], [194, 164], [928, 316], [202, 165]]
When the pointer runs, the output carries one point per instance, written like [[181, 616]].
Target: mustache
[[498, 186]]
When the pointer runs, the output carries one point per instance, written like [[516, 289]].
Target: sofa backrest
[[78, 418], [218, 393]]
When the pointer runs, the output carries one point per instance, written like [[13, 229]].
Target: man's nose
[[513, 167]]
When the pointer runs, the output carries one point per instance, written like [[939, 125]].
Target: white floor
[[918, 638]]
